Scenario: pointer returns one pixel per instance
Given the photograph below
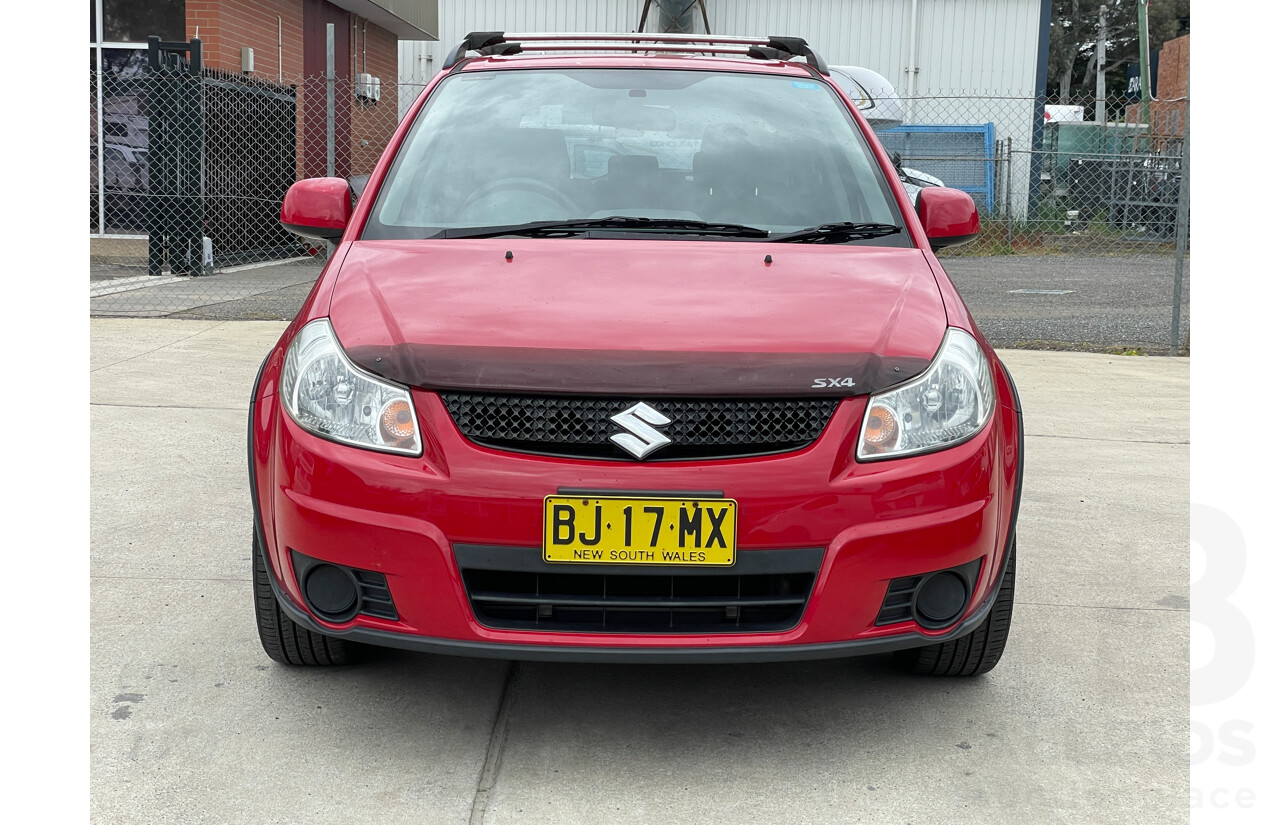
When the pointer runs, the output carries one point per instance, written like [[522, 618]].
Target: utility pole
[[676, 16], [1144, 64], [1100, 107], [1182, 227]]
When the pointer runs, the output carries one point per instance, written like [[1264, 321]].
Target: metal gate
[[248, 167], [222, 154], [963, 157]]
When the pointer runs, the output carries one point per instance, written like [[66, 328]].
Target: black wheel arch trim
[[259, 533], [1012, 536]]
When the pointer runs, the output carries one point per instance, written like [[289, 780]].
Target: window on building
[[133, 21]]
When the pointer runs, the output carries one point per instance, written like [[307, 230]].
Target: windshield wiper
[[838, 233], [550, 229]]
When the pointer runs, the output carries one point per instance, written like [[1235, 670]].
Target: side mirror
[[948, 215], [317, 208]]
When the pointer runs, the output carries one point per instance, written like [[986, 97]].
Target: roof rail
[[759, 48]]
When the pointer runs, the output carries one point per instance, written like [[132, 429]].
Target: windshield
[[503, 148]]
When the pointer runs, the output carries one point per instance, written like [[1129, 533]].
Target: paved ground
[[1109, 303], [254, 292], [1084, 721]]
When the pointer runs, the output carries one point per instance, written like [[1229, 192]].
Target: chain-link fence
[[1077, 178], [188, 169]]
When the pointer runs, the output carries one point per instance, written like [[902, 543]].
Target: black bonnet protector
[[618, 372]]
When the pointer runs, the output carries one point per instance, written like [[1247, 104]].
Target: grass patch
[[1128, 350], [1052, 233]]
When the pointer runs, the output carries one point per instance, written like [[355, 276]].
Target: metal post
[[1100, 105], [97, 53], [200, 142], [1183, 226], [912, 69], [1008, 182], [176, 209], [160, 163], [997, 169], [1144, 66], [1129, 169], [329, 98], [1037, 112]]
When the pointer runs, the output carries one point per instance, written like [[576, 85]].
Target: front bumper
[[654, 654], [405, 517]]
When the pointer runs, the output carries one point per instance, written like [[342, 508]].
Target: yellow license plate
[[662, 531]]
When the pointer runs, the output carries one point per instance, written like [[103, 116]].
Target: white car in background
[[124, 168], [879, 103]]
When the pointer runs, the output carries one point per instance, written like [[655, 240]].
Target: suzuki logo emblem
[[640, 438]]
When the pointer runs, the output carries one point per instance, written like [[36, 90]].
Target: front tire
[[976, 652], [283, 639]]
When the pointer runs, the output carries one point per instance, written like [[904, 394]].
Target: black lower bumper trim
[[654, 655]]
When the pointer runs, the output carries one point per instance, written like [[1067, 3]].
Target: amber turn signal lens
[[881, 432], [397, 422]]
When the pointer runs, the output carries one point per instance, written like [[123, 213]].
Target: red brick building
[[274, 43], [1168, 113], [288, 43]]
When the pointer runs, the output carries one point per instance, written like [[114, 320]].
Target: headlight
[[328, 395], [949, 403]]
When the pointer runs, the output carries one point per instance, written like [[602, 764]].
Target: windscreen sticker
[[804, 84]]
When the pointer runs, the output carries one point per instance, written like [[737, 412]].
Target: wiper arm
[[548, 229], [838, 233]]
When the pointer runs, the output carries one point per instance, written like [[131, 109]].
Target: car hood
[[638, 317]]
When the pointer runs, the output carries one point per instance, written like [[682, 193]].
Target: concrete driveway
[[1084, 720]]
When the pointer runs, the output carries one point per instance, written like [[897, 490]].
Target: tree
[[1073, 38]]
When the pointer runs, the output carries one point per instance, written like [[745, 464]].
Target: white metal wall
[[419, 61], [964, 48], [986, 46], [982, 46], [975, 60]]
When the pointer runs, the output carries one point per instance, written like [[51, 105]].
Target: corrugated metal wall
[[962, 45], [419, 61], [974, 46], [975, 59]]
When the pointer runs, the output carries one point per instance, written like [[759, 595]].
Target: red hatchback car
[[641, 354]]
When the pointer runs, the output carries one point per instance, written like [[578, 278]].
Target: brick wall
[[1168, 114], [1175, 67], [274, 30], [269, 27], [373, 123]]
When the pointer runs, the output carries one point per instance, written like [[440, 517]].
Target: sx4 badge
[[823, 383]]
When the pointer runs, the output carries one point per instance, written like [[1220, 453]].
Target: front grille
[[579, 426], [513, 589]]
